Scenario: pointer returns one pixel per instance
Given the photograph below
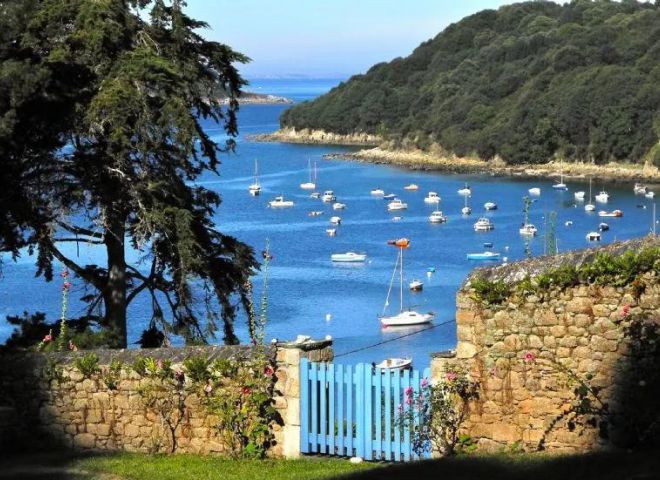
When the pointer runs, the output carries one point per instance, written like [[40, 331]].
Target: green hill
[[528, 82]]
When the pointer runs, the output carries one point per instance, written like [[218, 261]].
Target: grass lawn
[[124, 466]]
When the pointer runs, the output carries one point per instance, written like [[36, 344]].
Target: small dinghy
[[649, 194], [602, 197], [389, 196], [411, 187], [315, 195], [396, 219], [315, 213], [483, 256], [490, 206], [613, 213], [640, 189], [579, 196], [332, 232], [535, 191], [377, 192], [338, 206], [603, 227], [348, 257], [488, 245], [335, 220], [416, 286], [395, 364], [528, 229]]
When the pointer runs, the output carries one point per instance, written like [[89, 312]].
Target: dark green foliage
[[526, 82], [490, 293], [101, 141], [197, 368], [152, 337]]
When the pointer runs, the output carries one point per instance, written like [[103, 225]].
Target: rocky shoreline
[[249, 98], [438, 160]]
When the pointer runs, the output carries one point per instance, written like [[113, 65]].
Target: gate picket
[[352, 411]]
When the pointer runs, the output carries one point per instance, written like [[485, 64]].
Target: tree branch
[[78, 239], [77, 269], [80, 230]]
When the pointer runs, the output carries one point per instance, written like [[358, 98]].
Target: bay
[[304, 286]]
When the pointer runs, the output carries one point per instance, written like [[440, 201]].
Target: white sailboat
[[404, 317], [466, 210], [561, 185], [590, 207], [255, 188], [311, 185]]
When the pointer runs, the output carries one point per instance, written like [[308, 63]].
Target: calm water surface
[[305, 286]]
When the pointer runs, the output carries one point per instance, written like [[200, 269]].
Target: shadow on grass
[[597, 466]]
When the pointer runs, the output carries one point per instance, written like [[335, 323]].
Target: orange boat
[[401, 243]]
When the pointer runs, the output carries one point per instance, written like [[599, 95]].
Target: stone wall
[[528, 352], [84, 414]]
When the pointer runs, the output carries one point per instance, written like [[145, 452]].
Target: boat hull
[[406, 318]]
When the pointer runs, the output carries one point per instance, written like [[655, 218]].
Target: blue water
[[305, 286]]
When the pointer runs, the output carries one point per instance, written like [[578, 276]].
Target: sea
[[310, 295]]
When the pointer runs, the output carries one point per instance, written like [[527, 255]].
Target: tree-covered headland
[[528, 83]]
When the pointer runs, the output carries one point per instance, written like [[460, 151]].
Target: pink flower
[[529, 357], [425, 382], [625, 311], [268, 371], [208, 388], [179, 375], [400, 409], [451, 376], [66, 285], [64, 274], [246, 390], [408, 392], [48, 338]]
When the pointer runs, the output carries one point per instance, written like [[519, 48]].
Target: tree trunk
[[115, 290]]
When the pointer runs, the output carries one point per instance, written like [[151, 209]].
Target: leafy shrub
[[112, 374], [490, 293], [88, 364], [197, 368]]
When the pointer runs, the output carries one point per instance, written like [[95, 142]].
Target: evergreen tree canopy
[[527, 82], [100, 142]]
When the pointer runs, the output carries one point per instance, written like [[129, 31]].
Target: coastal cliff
[[319, 137]]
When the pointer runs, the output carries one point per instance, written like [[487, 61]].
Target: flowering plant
[[434, 415]]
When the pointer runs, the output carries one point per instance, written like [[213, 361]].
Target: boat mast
[[653, 228], [309, 169], [256, 172], [401, 294]]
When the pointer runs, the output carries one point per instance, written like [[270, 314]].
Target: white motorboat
[[483, 225], [649, 194], [483, 256], [311, 185], [279, 202], [331, 232], [338, 206], [432, 197], [579, 196], [528, 229], [416, 285], [535, 191], [396, 204], [315, 195], [412, 186], [378, 192], [602, 197], [395, 364], [389, 196], [490, 206], [404, 317], [593, 236], [335, 220], [329, 196], [613, 213], [466, 190], [437, 217], [640, 189], [348, 257], [255, 188]]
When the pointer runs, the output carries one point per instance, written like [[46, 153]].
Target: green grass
[[125, 466]]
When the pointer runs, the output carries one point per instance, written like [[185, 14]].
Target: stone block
[[534, 341], [465, 350], [84, 441]]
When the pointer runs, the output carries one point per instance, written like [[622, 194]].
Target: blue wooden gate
[[348, 410]]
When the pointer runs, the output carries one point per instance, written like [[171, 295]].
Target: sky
[[327, 38]]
